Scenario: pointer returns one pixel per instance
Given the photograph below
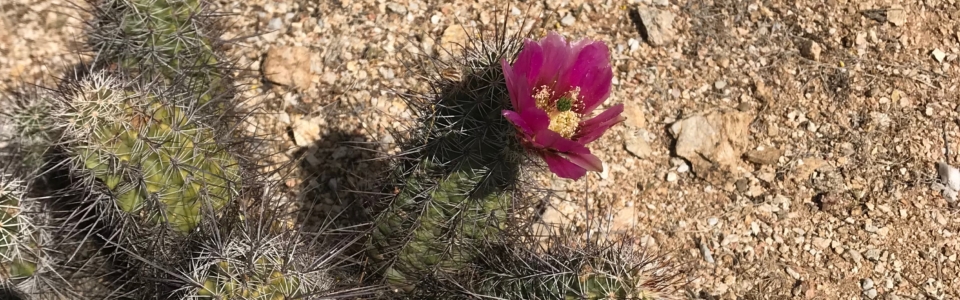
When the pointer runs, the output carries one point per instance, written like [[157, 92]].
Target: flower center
[[563, 119]]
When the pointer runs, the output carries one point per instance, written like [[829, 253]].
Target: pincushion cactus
[[450, 228], [26, 263], [157, 163], [439, 237], [25, 125], [456, 176], [19, 249], [608, 270], [262, 259], [169, 39]]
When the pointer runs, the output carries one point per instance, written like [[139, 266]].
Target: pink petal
[[529, 62], [518, 121], [587, 161], [563, 167], [537, 119], [520, 94], [594, 89], [553, 140], [557, 55], [591, 71], [594, 128]]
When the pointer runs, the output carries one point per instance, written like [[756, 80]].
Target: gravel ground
[[783, 149]]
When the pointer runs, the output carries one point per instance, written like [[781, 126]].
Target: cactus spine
[[263, 259], [24, 257], [157, 163], [18, 245], [172, 39], [457, 177], [608, 270], [438, 236]]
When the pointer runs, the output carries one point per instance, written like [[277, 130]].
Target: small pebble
[[634, 44], [792, 273], [568, 20], [397, 8], [275, 24], [938, 54], [671, 177], [866, 284], [872, 254], [707, 254], [720, 84]]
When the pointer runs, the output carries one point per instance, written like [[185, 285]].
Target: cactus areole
[[554, 87]]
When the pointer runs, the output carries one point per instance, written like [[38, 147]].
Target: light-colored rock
[[454, 38], [707, 254], [938, 54], [713, 142], [306, 131], [397, 8], [671, 177], [821, 243], [792, 273], [950, 180], [275, 24], [568, 20], [719, 84], [872, 254], [658, 25], [767, 156], [896, 15], [635, 117], [638, 147], [866, 284], [289, 66], [426, 44]]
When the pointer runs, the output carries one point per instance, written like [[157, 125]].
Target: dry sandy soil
[[802, 167]]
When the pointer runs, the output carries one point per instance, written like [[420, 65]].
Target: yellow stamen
[[543, 97], [564, 122]]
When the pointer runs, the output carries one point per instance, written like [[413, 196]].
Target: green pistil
[[564, 104]]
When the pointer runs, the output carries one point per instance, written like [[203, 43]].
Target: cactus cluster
[[158, 165], [456, 178], [26, 262], [453, 224]]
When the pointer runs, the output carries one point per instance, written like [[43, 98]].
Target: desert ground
[[777, 149]]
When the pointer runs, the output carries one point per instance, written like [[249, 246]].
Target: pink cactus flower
[[554, 88]]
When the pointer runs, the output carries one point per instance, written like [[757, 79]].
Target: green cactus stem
[[18, 247], [436, 229], [173, 39], [159, 165]]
